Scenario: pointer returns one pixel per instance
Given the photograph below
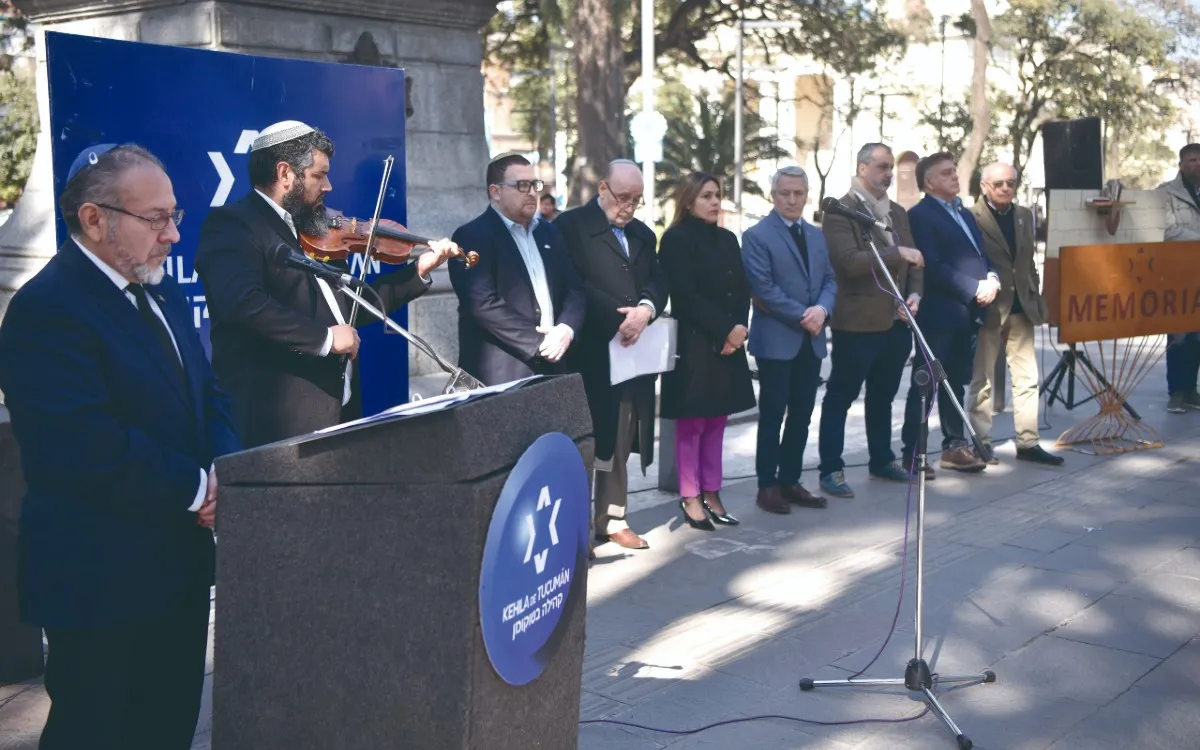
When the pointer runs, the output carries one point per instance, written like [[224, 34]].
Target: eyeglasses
[[1004, 183], [157, 223], [523, 186], [637, 201]]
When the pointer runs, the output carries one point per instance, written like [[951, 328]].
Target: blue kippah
[[88, 157]]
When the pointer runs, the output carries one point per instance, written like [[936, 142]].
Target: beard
[[145, 273], [309, 218]]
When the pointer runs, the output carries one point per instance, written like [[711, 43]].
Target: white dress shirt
[[121, 283], [527, 246]]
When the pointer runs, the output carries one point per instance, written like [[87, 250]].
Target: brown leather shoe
[[795, 493], [906, 463], [628, 539], [961, 458], [771, 501]]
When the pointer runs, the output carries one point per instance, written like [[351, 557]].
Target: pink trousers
[[699, 443]]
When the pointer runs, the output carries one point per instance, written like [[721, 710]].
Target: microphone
[[286, 256], [834, 206]]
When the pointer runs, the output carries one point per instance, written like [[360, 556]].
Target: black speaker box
[[1073, 154]]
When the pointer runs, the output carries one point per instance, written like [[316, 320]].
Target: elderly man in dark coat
[[625, 290]]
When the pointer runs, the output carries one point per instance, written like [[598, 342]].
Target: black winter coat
[[709, 296]]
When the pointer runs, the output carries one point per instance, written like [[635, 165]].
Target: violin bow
[[367, 256]]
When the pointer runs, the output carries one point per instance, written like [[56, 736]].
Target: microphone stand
[[460, 380], [917, 675]]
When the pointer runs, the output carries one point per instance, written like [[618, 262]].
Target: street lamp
[[738, 167]]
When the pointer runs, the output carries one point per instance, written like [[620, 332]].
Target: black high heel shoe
[[725, 519], [703, 524]]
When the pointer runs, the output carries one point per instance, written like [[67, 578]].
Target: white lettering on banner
[[356, 261], [199, 310], [533, 607], [224, 172], [176, 270]]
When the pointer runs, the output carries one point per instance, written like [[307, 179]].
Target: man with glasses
[[281, 341], [1008, 239], [119, 420], [522, 304], [625, 289]]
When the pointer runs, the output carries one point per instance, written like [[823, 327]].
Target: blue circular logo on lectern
[[536, 542]]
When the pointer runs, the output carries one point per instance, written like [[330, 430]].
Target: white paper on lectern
[[653, 353]]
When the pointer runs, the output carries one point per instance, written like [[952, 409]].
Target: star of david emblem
[[539, 559]]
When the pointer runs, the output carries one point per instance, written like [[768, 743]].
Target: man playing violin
[[282, 342]]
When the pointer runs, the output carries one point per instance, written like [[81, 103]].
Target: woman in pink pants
[[710, 299]]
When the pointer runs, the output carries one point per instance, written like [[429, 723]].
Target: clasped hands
[[735, 339], [813, 319], [207, 515], [985, 293], [636, 320], [555, 341]]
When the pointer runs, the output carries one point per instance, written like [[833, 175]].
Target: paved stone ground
[[1079, 586]]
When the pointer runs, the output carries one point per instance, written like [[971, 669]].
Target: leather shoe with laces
[[1039, 455]]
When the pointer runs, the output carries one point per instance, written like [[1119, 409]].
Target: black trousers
[[785, 386], [133, 687], [876, 359], [955, 349]]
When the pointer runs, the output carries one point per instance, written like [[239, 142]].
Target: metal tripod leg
[[917, 676]]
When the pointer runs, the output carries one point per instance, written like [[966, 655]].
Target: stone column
[[437, 43]]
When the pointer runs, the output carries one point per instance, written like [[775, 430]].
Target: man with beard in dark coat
[[281, 344], [625, 290]]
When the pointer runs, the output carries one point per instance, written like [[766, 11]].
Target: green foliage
[[1077, 58], [18, 134], [700, 138]]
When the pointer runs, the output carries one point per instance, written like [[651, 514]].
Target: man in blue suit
[[119, 420], [521, 305], [792, 281], [959, 285]]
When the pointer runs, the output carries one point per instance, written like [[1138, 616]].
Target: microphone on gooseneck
[[834, 206], [286, 256]]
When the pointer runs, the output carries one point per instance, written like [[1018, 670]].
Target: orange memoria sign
[[1121, 291]]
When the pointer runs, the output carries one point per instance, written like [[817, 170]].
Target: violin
[[393, 243]]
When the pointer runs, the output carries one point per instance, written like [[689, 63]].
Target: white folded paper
[[653, 353]]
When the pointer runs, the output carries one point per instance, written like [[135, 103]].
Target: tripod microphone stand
[[459, 380], [917, 675], [1065, 368]]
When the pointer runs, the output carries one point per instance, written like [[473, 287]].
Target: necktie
[[801, 243], [620, 233], [159, 329]]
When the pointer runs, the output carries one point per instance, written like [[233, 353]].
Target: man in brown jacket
[[871, 340], [1008, 239]]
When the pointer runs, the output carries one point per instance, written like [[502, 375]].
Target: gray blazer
[[783, 290]]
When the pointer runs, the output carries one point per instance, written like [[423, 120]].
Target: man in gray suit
[[793, 285]]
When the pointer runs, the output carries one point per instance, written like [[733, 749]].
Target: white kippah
[[280, 132]]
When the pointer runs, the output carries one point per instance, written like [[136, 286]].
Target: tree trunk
[[600, 87], [980, 112]]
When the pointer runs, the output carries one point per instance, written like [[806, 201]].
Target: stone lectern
[[354, 568]]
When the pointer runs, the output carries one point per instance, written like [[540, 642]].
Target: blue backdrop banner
[[536, 545], [198, 111]]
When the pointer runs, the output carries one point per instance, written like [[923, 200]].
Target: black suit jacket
[[269, 323], [612, 280], [497, 311], [112, 447]]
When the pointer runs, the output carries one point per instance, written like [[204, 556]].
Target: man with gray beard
[[119, 420], [871, 338]]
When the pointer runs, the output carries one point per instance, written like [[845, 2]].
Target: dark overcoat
[[612, 280], [709, 296]]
